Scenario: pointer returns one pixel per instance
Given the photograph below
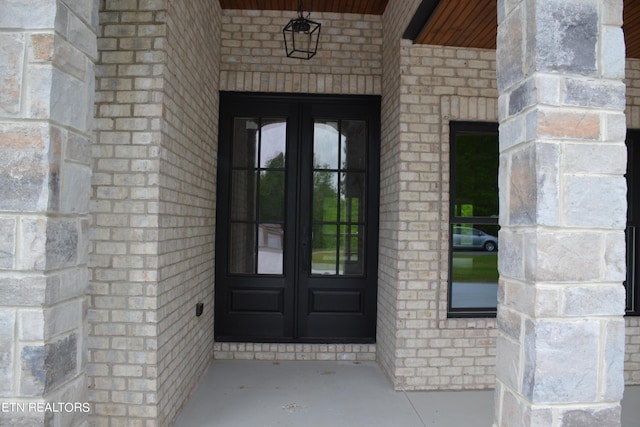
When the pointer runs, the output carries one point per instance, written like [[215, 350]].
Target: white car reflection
[[472, 238]]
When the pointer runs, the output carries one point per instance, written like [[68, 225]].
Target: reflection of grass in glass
[[470, 267], [324, 256]]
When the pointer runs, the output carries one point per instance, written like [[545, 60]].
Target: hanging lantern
[[301, 36]]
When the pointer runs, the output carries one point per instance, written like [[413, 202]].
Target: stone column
[[563, 212], [47, 55]]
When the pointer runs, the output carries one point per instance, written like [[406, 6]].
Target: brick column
[[563, 208], [47, 54]]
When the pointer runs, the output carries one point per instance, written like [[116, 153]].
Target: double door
[[297, 221]]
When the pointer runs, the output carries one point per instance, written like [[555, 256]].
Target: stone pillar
[[563, 212], [47, 52]]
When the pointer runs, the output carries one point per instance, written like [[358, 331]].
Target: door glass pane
[[352, 194], [273, 143], [270, 248], [354, 144], [242, 248], [243, 195], [324, 248], [351, 260], [326, 145], [325, 196], [245, 142], [257, 211], [272, 196], [339, 203]]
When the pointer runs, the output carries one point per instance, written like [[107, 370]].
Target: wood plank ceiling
[[460, 23], [368, 7]]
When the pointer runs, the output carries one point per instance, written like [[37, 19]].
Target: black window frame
[[457, 128], [632, 306], [632, 232]]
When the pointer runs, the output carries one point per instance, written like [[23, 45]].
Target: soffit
[[461, 23], [368, 7], [631, 28]]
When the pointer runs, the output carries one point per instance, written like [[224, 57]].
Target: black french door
[[297, 218]]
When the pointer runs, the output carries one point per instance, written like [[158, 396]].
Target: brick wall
[[152, 236], [124, 280], [389, 340], [154, 182], [349, 61], [437, 85], [423, 89], [349, 58], [187, 200]]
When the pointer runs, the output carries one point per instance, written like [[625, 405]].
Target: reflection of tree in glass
[[325, 205], [272, 186], [476, 181]]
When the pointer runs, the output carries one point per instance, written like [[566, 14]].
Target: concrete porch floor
[[327, 394]]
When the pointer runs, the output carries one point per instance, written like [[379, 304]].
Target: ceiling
[[369, 7], [460, 23]]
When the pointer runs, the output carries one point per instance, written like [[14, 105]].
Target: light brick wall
[[123, 341], [389, 340], [437, 85], [152, 241], [349, 61], [145, 168], [187, 201], [632, 81], [279, 352], [423, 88], [349, 58], [47, 54]]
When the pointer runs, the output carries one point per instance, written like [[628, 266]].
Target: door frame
[[363, 106], [632, 284]]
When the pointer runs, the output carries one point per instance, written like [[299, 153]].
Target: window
[[633, 221], [473, 254]]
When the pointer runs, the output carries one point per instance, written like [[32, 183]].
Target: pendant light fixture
[[301, 36]]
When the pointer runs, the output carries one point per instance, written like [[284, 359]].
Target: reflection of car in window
[[472, 238]]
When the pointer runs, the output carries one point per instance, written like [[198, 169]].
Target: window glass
[[474, 227]]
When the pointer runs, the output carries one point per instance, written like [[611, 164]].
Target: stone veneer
[[47, 54], [562, 213]]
